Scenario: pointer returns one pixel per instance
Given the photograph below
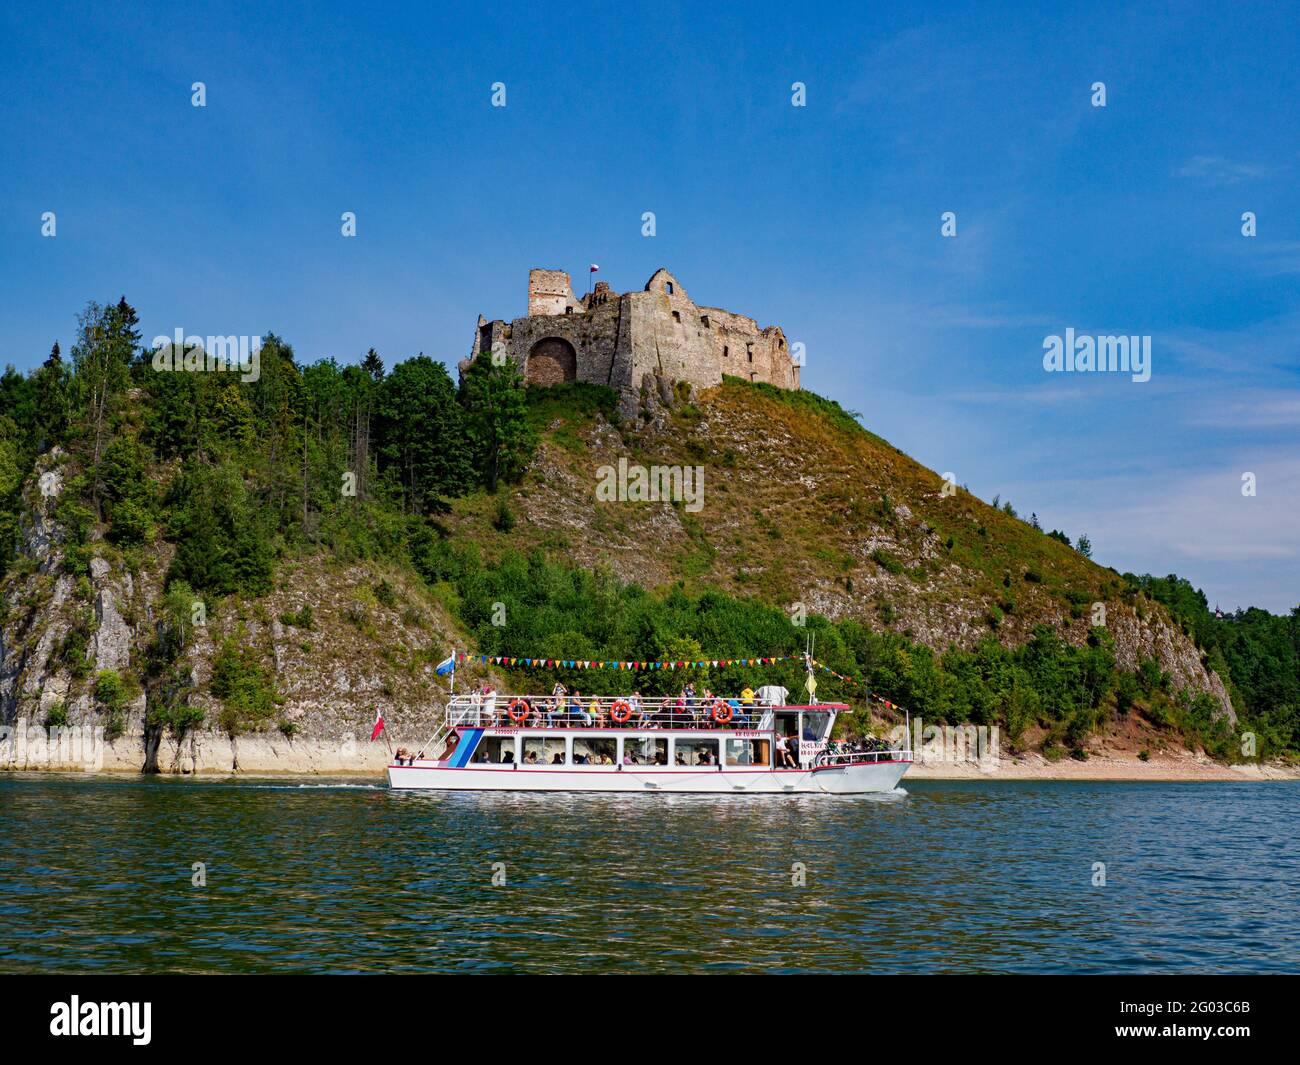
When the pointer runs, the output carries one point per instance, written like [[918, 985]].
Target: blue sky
[[824, 219]]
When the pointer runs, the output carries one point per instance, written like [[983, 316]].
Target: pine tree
[[107, 342], [500, 437]]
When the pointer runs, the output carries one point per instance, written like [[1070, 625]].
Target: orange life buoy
[[522, 716], [722, 712], [621, 711]]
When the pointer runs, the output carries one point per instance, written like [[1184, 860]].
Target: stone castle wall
[[617, 339]]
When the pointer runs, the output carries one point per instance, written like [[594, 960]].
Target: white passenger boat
[[526, 743]]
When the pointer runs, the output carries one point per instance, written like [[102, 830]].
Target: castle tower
[[550, 293]]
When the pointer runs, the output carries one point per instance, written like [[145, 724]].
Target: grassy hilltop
[[189, 553]]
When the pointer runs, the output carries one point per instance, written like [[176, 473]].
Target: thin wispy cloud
[[1216, 170], [1252, 409]]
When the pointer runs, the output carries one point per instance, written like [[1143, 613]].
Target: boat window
[[645, 750], [746, 752], [815, 724], [543, 750], [599, 750], [495, 748], [695, 752]]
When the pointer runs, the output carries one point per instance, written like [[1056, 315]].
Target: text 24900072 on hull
[[532, 743]]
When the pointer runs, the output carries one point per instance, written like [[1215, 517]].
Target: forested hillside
[[189, 554]]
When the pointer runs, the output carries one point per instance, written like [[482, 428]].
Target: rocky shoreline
[[200, 753], [214, 754]]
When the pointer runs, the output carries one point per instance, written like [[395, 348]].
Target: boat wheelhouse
[[532, 743]]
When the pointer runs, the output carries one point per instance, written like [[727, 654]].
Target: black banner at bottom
[[147, 1014]]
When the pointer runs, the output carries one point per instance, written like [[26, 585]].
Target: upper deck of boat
[[673, 713]]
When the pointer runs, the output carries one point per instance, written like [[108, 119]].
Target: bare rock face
[[1154, 637], [42, 534], [629, 406], [111, 644]]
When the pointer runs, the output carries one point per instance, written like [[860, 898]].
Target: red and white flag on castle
[[379, 726], [592, 268]]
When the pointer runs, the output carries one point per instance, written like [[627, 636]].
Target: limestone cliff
[[798, 509], [373, 637]]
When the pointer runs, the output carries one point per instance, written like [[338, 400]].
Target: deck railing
[[533, 711], [860, 757]]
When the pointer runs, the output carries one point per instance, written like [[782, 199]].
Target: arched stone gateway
[[552, 362]]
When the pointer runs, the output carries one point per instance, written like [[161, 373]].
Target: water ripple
[[979, 876]]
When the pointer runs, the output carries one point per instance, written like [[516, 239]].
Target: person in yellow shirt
[[747, 703]]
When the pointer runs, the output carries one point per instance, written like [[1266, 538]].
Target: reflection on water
[[95, 875]]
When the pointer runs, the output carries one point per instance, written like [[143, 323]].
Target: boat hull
[[857, 779]]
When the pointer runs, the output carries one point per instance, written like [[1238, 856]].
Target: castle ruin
[[619, 340]]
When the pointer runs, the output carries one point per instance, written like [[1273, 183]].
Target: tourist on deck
[[596, 712], [490, 702], [688, 697], [638, 709], [576, 712], [747, 696], [555, 709], [704, 718], [739, 718]]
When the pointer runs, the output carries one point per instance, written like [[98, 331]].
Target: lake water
[[96, 876]]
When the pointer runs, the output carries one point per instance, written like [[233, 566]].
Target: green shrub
[[111, 695], [303, 618], [244, 687], [885, 560]]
